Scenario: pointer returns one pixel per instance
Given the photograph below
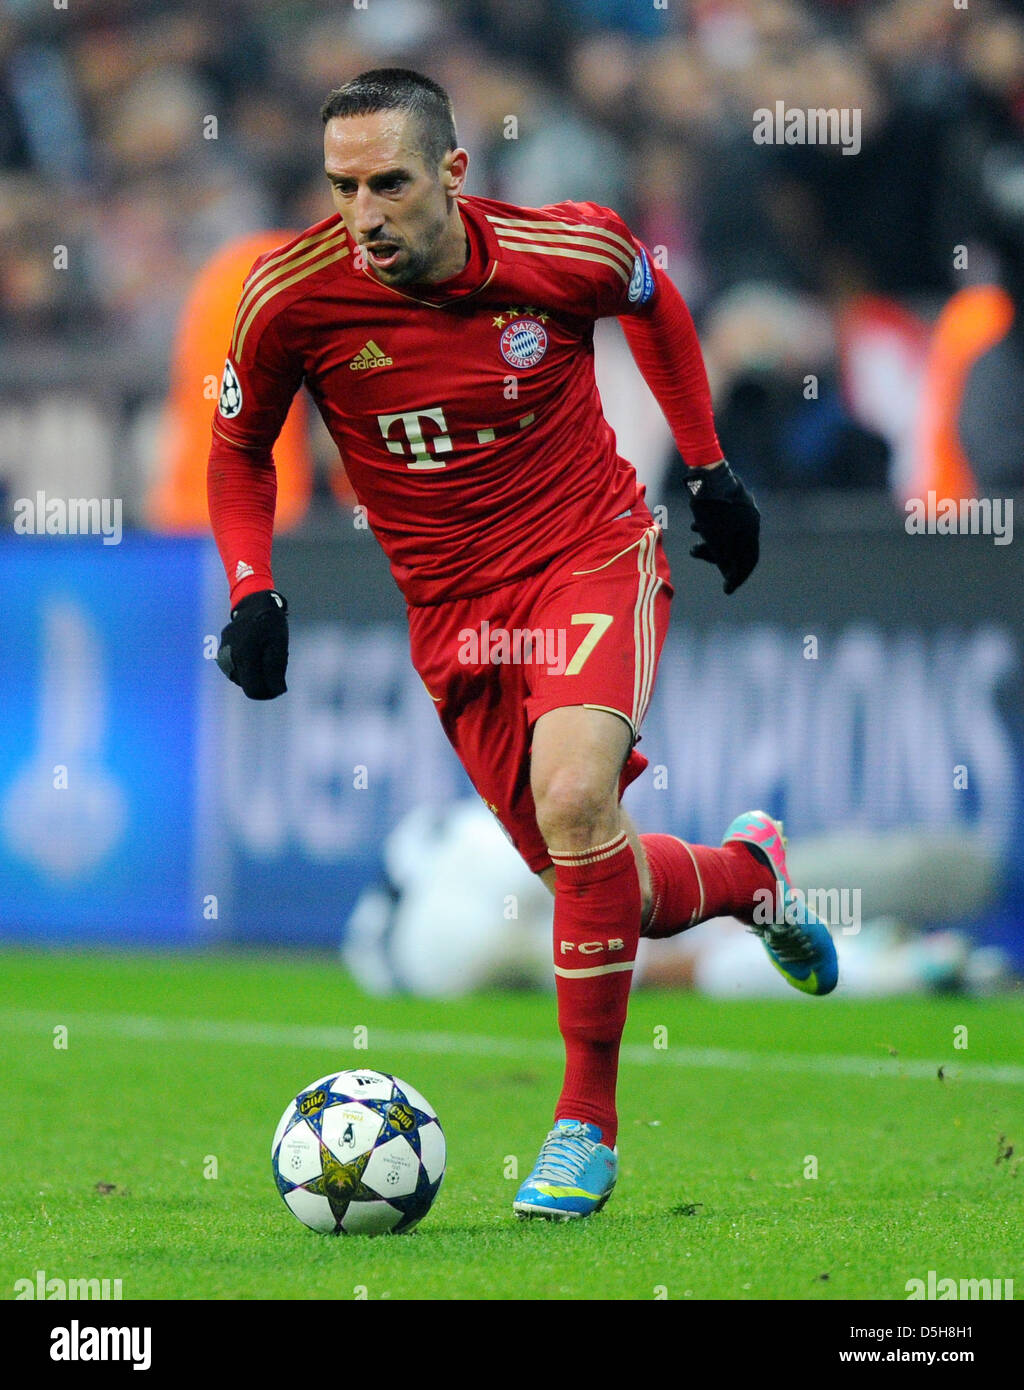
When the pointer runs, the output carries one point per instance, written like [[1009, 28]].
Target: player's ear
[[453, 171]]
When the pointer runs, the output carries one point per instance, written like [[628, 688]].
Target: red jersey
[[466, 412]]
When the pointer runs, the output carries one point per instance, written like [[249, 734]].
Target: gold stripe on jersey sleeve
[[279, 263], [303, 274], [222, 435], [566, 251], [549, 239], [246, 448], [541, 224]]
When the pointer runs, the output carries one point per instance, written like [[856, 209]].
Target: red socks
[[690, 883], [597, 927]]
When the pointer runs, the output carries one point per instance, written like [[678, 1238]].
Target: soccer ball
[[359, 1153]]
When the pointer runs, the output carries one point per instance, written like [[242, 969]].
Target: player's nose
[[368, 217]]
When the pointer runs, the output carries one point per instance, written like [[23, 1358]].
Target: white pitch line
[[340, 1040]]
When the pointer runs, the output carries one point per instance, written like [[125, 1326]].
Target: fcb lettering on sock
[[597, 927]]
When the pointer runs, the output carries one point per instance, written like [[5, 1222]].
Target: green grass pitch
[[176, 1067]]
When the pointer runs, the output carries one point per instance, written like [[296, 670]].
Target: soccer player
[[447, 342]]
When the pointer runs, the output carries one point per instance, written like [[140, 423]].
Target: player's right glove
[[726, 518], [253, 648]]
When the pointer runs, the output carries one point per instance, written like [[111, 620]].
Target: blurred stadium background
[[861, 320]]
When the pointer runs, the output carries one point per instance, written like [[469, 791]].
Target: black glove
[[726, 518], [254, 646]]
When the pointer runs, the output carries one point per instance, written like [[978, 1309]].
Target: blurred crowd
[[144, 134]]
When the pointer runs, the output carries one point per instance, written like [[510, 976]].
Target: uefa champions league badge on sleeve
[[641, 285], [230, 392], [524, 339]]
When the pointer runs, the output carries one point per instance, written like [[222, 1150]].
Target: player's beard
[[415, 264], [412, 265]]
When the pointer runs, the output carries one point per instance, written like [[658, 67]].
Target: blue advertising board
[[98, 740]]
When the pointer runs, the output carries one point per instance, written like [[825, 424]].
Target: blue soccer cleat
[[796, 939], [574, 1174]]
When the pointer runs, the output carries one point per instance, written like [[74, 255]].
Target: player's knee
[[575, 809]]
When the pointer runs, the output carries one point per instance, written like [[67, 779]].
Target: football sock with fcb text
[[597, 927], [690, 883]]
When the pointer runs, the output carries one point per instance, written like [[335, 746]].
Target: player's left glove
[[726, 518], [254, 646]]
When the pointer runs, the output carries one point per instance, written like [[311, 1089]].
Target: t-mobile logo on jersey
[[589, 948], [410, 422], [425, 450]]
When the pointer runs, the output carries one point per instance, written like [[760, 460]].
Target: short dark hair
[[399, 89]]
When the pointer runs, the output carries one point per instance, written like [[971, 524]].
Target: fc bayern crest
[[523, 343]]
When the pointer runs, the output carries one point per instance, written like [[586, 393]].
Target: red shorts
[[588, 630]]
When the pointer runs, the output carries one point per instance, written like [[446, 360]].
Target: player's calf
[[596, 932], [577, 758], [691, 883]]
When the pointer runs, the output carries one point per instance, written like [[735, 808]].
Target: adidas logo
[[695, 485], [370, 356], [243, 570]]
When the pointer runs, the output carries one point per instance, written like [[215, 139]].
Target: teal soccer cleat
[[796, 939], [574, 1174]]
